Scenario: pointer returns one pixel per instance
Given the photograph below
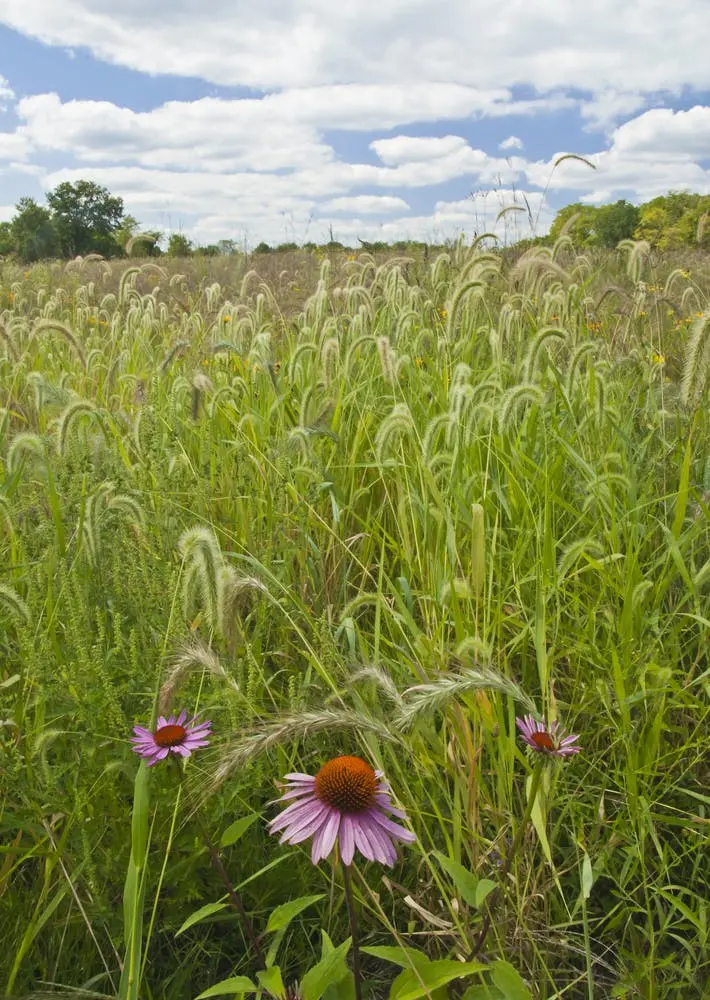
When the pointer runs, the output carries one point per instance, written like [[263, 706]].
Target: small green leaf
[[466, 883], [587, 876], [509, 982], [237, 829], [483, 992], [404, 957], [483, 890], [329, 970], [238, 984], [410, 985], [271, 981], [204, 911], [283, 915]]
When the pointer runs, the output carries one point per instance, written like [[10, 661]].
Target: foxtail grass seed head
[[347, 803], [172, 735], [548, 739]]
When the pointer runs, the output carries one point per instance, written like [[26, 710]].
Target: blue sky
[[405, 118]]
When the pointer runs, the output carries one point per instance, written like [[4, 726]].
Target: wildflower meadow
[[354, 626]]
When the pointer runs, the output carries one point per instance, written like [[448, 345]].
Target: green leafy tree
[[228, 248], [672, 221], [578, 221], [179, 245], [7, 245], [127, 229], [87, 218], [613, 223], [32, 230]]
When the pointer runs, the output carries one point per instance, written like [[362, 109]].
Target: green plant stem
[[234, 897], [517, 840], [352, 915]]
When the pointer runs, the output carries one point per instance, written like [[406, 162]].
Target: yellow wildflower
[[226, 319], [419, 362], [658, 359]]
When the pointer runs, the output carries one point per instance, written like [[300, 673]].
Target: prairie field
[[377, 507]]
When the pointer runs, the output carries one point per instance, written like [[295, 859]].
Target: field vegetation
[[379, 506]]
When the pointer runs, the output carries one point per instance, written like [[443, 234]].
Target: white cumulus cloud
[[642, 45], [366, 204]]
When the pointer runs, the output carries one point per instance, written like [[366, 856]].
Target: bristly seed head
[[347, 784], [170, 736]]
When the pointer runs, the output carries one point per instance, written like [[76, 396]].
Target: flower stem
[[534, 786], [352, 914], [234, 897]]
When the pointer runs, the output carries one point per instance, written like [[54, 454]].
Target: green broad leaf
[[587, 876], [201, 914], [509, 982], [483, 993], [237, 829], [271, 981], [282, 916], [411, 984], [483, 890], [404, 957], [331, 969], [466, 883], [228, 987], [343, 987]]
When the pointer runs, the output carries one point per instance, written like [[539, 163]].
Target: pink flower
[[547, 739], [347, 801], [173, 735]]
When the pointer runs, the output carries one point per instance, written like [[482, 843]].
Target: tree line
[[84, 218]]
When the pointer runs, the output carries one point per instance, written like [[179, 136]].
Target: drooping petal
[[308, 827], [307, 779], [361, 840], [310, 811], [394, 829], [384, 802], [378, 839], [347, 840], [324, 841], [293, 812]]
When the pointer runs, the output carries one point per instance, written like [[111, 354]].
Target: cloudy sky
[[384, 119]]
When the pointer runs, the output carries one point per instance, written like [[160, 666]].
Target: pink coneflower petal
[[346, 803], [548, 739], [171, 735], [347, 840]]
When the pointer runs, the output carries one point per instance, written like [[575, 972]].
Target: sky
[[291, 120]]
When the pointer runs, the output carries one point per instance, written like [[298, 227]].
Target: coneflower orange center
[[347, 783], [169, 736], [544, 741]]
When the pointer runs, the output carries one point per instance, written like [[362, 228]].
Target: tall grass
[[380, 511]]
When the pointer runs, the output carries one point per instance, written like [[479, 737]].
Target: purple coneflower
[[173, 735], [547, 739], [347, 801]]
